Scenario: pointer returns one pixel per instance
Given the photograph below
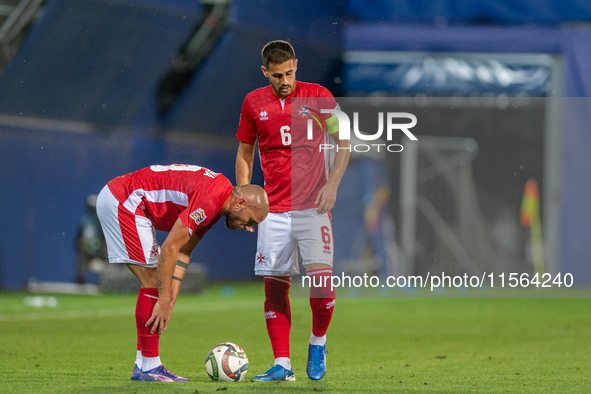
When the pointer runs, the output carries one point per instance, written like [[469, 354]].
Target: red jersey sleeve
[[200, 231], [246, 129], [199, 218]]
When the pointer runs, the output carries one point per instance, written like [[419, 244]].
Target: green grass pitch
[[86, 344]]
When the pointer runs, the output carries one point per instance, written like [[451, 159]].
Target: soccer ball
[[226, 362]]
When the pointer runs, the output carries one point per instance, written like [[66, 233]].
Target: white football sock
[[149, 363], [317, 341], [284, 362], [138, 359]]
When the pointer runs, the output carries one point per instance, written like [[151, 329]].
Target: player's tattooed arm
[[171, 251], [182, 263], [158, 282], [181, 267]]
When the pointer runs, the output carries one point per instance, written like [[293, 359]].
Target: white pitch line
[[130, 310]]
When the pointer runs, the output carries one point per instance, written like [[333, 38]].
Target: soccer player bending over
[[186, 201], [301, 193]]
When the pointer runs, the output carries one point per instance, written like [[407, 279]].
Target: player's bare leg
[[146, 275], [278, 318], [148, 365], [322, 300]]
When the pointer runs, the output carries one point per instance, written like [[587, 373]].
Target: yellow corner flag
[[529, 216]]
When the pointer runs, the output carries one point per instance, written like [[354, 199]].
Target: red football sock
[[322, 300], [278, 313], [147, 343]]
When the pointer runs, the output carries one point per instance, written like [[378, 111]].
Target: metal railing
[[194, 52], [17, 17]]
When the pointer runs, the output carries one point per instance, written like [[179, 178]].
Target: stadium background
[[94, 89]]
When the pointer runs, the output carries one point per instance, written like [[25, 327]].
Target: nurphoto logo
[[344, 130]]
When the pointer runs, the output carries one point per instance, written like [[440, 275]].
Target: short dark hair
[[277, 52]]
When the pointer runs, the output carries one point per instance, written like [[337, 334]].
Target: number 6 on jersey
[[325, 231], [285, 136]]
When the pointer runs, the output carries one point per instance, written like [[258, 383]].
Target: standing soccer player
[[301, 193], [186, 201]]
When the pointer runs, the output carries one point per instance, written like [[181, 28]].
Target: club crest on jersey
[[155, 251], [264, 115], [198, 215]]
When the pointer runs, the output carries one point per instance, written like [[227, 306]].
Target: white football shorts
[[282, 234], [131, 238]]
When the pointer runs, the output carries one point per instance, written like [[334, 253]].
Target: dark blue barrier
[[408, 37], [46, 175], [45, 178]]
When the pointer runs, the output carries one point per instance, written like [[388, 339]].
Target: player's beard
[[232, 218], [282, 94]]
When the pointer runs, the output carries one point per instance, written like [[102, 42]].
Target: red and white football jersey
[[294, 167], [163, 194]]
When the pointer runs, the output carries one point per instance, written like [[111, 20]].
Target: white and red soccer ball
[[226, 362]]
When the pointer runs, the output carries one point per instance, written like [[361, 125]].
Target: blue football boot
[[160, 374], [316, 367], [276, 373], [135, 375]]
